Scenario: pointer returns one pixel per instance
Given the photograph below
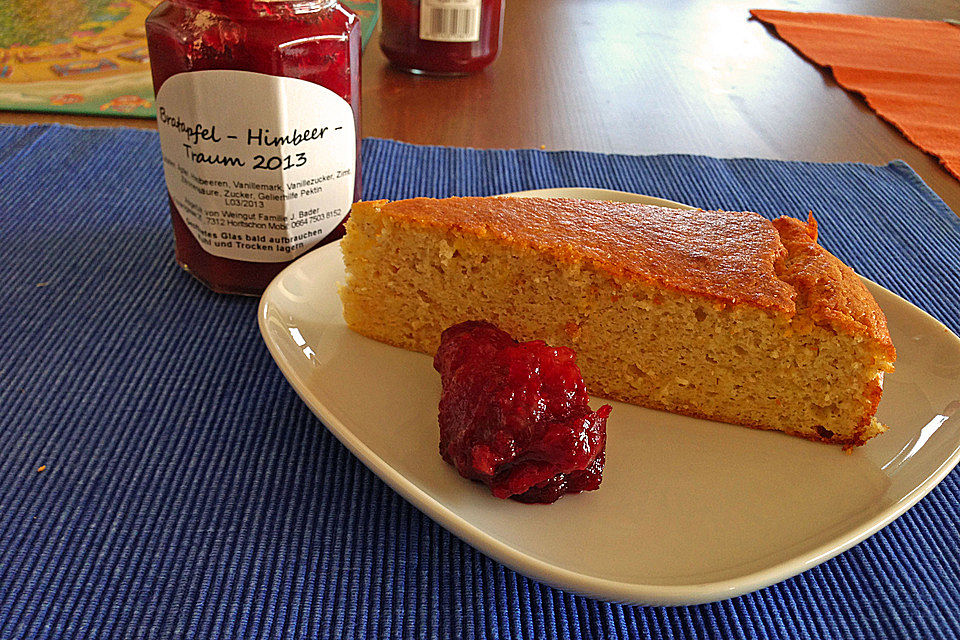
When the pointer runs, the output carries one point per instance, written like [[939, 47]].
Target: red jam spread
[[314, 41], [449, 42], [515, 415]]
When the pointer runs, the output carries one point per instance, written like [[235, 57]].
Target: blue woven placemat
[[188, 493]]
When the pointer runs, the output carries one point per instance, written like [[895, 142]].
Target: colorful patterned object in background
[[88, 56]]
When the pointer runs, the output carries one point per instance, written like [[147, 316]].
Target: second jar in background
[[441, 37]]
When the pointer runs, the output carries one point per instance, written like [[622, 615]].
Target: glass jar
[[441, 37], [258, 108]]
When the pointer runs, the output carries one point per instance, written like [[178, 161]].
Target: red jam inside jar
[[433, 37], [317, 41]]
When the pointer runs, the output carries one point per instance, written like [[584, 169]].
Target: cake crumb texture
[[718, 315]]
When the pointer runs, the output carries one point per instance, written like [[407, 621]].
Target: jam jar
[[258, 109], [441, 37]]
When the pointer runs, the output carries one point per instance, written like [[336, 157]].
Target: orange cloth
[[907, 70]]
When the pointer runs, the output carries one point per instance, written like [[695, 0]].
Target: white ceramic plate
[[690, 511]]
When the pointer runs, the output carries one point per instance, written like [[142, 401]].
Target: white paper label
[[450, 20], [261, 168]]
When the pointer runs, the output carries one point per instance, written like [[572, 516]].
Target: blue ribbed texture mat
[[188, 492]]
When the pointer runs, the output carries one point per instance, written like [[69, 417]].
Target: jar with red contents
[[441, 37], [258, 109]]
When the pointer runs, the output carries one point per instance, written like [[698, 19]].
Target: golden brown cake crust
[[828, 291], [728, 256], [792, 341]]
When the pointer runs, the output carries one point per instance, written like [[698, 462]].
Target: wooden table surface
[[640, 77]]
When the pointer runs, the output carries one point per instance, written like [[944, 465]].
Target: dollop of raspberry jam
[[515, 415]]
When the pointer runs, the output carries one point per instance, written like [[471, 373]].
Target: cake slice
[[714, 314]]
